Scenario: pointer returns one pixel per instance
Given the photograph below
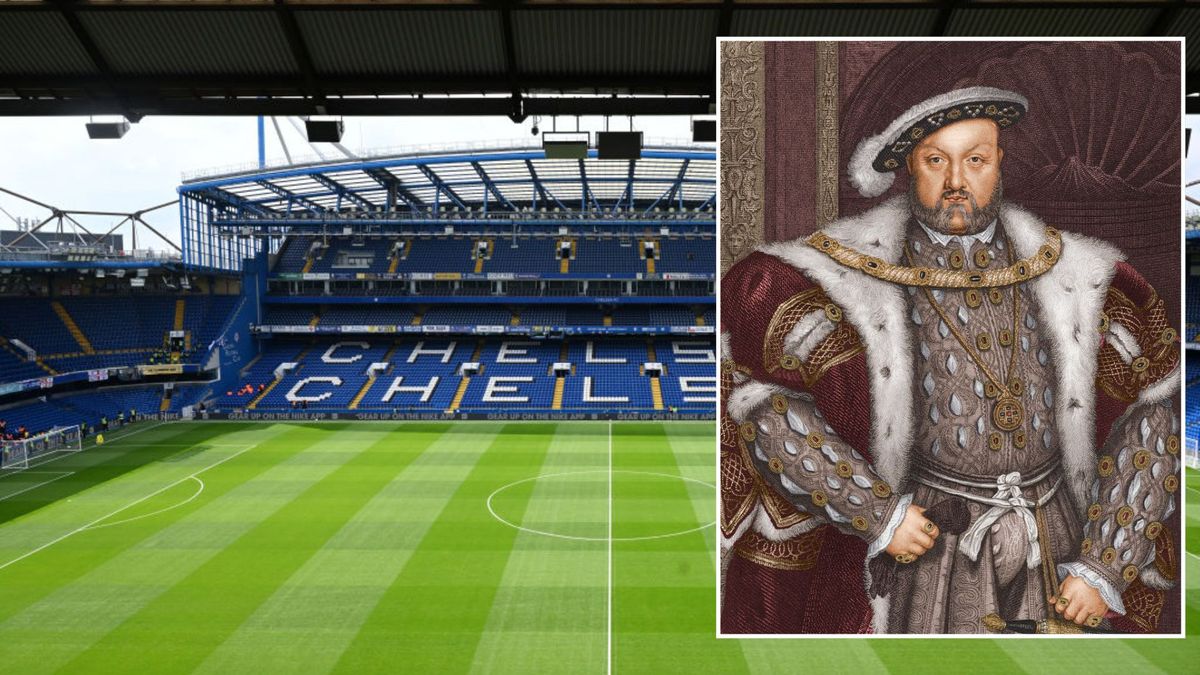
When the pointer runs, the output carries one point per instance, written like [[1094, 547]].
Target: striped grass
[[360, 548]]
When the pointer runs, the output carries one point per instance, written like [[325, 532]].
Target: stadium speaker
[[107, 130], [619, 145], [704, 131], [324, 131]]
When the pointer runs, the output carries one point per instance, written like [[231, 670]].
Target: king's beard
[[939, 218]]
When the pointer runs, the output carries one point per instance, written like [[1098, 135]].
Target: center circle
[[581, 499]]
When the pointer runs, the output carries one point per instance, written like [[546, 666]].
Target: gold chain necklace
[[1018, 271], [1008, 413]]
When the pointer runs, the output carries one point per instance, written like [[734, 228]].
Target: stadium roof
[[472, 57], [504, 180]]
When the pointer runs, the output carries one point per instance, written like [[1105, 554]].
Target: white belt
[[1008, 497]]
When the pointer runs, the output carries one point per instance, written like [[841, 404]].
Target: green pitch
[[418, 547]]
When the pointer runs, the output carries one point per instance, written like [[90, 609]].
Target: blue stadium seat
[[516, 374]]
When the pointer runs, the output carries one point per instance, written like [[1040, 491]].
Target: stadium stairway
[[165, 405], [371, 380], [481, 259], [564, 265], [180, 312], [263, 394], [560, 382], [465, 381], [267, 390], [395, 259], [655, 384], [72, 327]]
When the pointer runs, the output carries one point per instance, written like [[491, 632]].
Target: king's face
[[956, 168]]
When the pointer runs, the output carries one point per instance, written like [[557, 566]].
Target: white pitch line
[[129, 505], [135, 432], [155, 513], [61, 475], [609, 651], [173, 445], [492, 510]]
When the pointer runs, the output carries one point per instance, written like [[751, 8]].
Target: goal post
[[16, 454]]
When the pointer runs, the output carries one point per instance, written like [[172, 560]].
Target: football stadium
[[397, 414], [440, 408], [435, 394]]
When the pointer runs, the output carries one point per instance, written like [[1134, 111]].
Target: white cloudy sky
[[53, 161]]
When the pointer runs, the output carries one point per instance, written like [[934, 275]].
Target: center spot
[[575, 505]]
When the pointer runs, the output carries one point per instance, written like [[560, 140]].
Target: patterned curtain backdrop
[[742, 167]]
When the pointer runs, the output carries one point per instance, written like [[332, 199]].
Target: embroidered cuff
[[1093, 578], [881, 542]]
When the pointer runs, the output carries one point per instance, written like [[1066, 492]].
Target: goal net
[[1192, 456], [16, 454]]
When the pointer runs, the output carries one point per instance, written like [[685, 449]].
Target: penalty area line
[[127, 506], [155, 513]]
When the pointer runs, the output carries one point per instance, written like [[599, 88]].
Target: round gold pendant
[[1008, 413]]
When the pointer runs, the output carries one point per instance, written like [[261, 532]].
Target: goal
[[16, 454], [1192, 456]]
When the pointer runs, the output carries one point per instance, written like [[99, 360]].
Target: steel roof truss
[[396, 189], [441, 186], [487, 182], [292, 197], [342, 192]]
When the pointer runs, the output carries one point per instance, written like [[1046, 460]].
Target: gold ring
[[1093, 621], [905, 558], [928, 527], [1063, 601]]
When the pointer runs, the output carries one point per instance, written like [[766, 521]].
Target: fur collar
[[1069, 297]]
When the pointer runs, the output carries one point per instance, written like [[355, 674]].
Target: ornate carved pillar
[[741, 204], [827, 133]]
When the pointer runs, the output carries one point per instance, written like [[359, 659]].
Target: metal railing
[[87, 254]]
